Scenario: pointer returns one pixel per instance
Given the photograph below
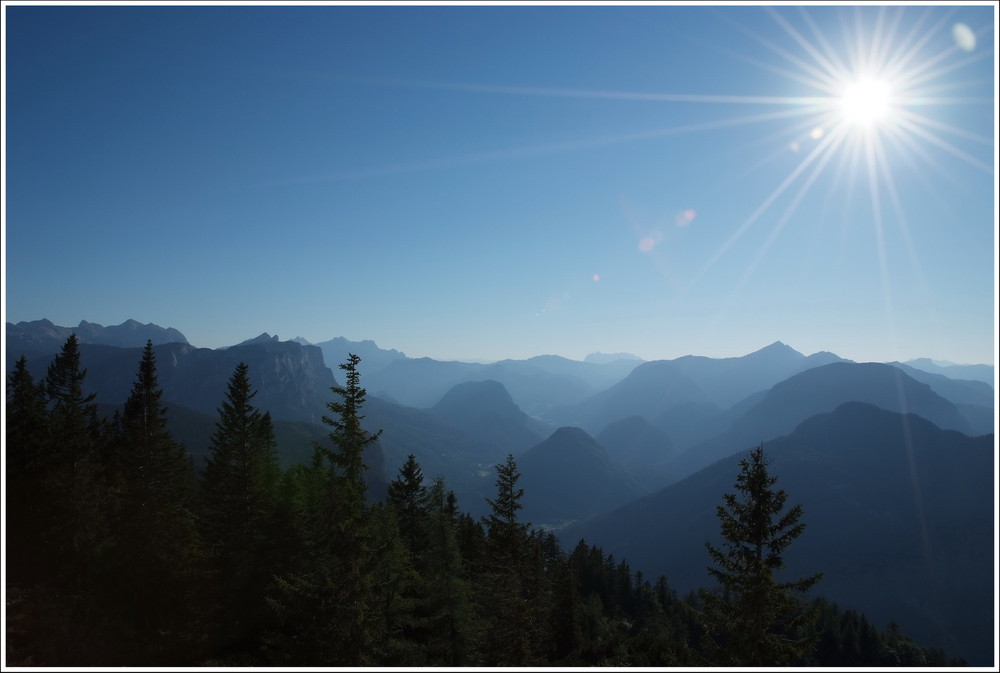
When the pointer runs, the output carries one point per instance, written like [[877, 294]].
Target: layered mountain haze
[[690, 388], [41, 337], [982, 373], [899, 517], [726, 381], [372, 357], [485, 411], [893, 463], [816, 391], [536, 385], [649, 390]]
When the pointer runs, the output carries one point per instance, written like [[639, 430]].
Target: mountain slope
[[726, 381], [899, 517], [373, 358], [982, 373], [649, 390], [569, 476], [485, 411], [820, 390]]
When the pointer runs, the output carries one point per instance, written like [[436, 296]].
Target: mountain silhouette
[[663, 389], [641, 447], [373, 358], [819, 390], [536, 385], [899, 517], [42, 337], [570, 476], [649, 390], [485, 411], [726, 381], [982, 373]]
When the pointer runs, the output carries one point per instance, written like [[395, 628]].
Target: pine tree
[[26, 422], [75, 493], [505, 533], [408, 497], [26, 437], [239, 491], [72, 514], [26, 433], [753, 621], [349, 438], [508, 638], [156, 536], [328, 605]]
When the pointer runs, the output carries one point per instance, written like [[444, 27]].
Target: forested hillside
[[121, 553]]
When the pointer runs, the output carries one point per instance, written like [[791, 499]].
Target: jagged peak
[[262, 338]]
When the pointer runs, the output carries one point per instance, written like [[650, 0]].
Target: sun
[[866, 100]]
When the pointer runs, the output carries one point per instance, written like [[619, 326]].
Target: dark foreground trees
[[756, 620], [117, 556]]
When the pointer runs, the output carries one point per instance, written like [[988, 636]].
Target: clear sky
[[506, 181]]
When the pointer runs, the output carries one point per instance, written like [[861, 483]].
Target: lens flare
[[964, 38]]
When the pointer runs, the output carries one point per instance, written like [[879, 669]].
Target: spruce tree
[[156, 536], [408, 497], [239, 491], [508, 637], [754, 619], [328, 605], [72, 506], [26, 437], [75, 494]]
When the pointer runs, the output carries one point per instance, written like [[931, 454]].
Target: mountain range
[[893, 462], [899, 517]]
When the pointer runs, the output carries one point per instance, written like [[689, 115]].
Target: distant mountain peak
[[262, 338], [45, 336], [600, 358], [777, 349]]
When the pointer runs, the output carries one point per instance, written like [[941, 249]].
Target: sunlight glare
[[865, 101]]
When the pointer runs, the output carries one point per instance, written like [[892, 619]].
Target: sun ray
[[912, 122], [536, 150], [880, 247], [820, 79], [910, 66], [818, 35], [830, 69], [766, 204], [554, 92], [776, 230], [947, 128]]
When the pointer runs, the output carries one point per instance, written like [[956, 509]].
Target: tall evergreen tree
[[239, 491], [76, 494], [755, 618], [349, 438], [152, 574], [505, 532], [408, 497], [328, 605], [26, 433], [26, 422], [71, 508], [508, 637]]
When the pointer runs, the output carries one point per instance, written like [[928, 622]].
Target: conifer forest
[[122, 551]]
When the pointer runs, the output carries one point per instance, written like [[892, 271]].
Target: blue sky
[[506, 181]]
